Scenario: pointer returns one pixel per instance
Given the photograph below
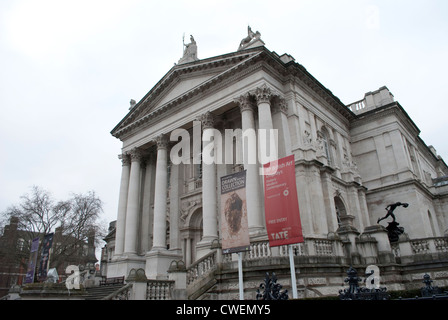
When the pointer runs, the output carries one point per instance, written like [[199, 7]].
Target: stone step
[[97, 293]]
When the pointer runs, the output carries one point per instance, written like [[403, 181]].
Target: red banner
[[281, 203]]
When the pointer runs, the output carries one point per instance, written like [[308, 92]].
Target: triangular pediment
[[182, 82], [179, 86]]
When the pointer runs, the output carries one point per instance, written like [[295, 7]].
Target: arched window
[[341, 212], [20, 244]]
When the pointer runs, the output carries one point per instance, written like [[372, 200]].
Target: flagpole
[[240, 275], [293, 273]]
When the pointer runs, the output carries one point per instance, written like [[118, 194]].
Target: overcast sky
[[69, 68]]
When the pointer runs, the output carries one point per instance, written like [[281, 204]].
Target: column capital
[[161, 141], [125, 159], [263, 94], [245, 102], [135, 155], [207, 119], [280, 105]]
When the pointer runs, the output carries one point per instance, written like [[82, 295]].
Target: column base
[[204, 247], [257, 234], [158, 261], [121, 265]]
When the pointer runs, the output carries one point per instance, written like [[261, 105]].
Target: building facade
[[15, 246], [351, 162]]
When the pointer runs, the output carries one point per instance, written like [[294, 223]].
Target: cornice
[[131, 123], [172, 77], [240, 62], [393, 108], [395, 186], [191, 96]]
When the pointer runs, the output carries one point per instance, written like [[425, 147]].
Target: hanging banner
[[281, 203], [29, 278], [45, 255], [234, 225]]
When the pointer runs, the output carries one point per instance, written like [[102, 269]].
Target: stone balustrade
[[159, 289], [411, 250], [201, 267]]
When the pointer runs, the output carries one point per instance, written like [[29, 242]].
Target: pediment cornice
[[228, 66], [223, 65]]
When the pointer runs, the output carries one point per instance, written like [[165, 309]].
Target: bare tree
[[75, 223]]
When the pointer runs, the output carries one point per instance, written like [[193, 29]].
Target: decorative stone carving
[[245, 102], [280, 106], [208, 120], [185, 209], [136, 155], [132, 104], [161, 141], [263, 94], [125, 159], [307, 138]]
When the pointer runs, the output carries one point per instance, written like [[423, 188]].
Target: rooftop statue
[[190, 52], [251, 38]]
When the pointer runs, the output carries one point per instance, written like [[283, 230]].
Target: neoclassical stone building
[[351, 161]]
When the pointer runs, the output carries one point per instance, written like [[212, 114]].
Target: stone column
[[175, 183], [266, 142], [122, 204], [160, 198], [209, 198], [147, 211], [253, 188], [158, 258], [209, 207], [188, 251], [132, 209]]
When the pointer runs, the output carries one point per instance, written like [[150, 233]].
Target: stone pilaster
[[280, 123]]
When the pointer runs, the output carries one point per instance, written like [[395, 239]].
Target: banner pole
[[240, 275], [293, 273]]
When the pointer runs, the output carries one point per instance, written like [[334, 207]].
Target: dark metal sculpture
[[428, 290], [272, 289], [355, 292], [393, 229]]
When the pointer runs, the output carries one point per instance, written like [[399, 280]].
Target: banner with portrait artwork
[[234, 224], [281, 203], [31, 269], [45, 255]]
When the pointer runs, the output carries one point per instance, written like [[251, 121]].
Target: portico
[[171, 190]]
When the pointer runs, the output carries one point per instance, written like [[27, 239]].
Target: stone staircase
[[98, 293]]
